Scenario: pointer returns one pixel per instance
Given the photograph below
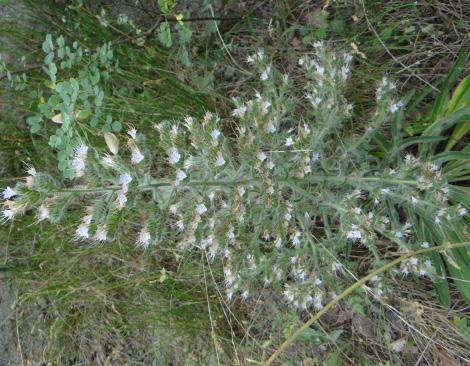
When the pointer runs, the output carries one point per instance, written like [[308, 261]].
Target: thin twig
[[160, 20], [20, 350], [223, 310]]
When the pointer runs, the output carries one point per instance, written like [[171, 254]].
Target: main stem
[[351, 180], [353, 287]]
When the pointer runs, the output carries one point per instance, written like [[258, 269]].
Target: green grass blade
[[441, 125], [458, 133], [460, 99], [461, 96], [460, 194], [419, 140], [451, 155], [458, 262], [382, 141], [444, 123]]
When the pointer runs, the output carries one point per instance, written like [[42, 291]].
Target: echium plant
[[276, 196]]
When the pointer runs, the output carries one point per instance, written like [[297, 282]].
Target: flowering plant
[[278, 197]]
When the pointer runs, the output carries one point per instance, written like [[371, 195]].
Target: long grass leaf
[[451, 155]]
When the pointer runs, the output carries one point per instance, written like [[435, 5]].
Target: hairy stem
[[351, 180]]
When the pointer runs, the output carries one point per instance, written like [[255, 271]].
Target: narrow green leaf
[[419, 98], [444, 123], [461, 96], [460, 99], [462, 178], [441, 285], [382, 142], [441, 125], [460, 194], [458, 260], [451, 155], [458, 133], [419, 140], [426, 232]]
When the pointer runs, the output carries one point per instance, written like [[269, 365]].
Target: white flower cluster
[[384, 89], [12, 207], [136, 154], [82, 230], [79, 160], [418, 267]]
